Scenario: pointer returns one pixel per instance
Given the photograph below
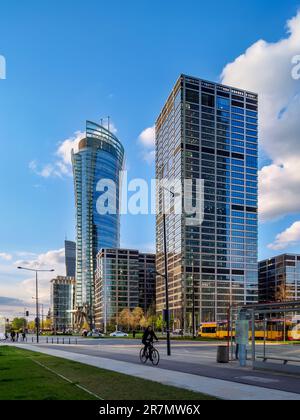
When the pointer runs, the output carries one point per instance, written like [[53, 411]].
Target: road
[[198, 358]]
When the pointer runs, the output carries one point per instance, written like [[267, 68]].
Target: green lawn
[[22, 378]]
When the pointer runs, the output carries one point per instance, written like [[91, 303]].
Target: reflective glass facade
[[124, 279], [279, 278], [70, 258], [209, 131], [62, 302], [100, 156]]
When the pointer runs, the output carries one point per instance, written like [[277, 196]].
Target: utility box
[[223, 354]]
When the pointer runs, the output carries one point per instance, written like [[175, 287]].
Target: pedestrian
[[17, 336], [24, 335], [12, 336], [133, 334]]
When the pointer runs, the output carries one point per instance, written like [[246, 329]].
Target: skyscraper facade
[[99, 157], [70, 258], [208, 131], [279, 278]]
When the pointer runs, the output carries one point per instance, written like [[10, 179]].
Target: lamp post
[[167, 311], [36, 271], [165, 275]]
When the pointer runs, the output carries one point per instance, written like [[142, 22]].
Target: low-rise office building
[[124, 279], [279, 278], [62, 302]]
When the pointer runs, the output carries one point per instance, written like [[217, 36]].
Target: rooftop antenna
[[108, 123], [101, 121]]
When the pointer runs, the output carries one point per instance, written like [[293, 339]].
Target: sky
[[72, 60]]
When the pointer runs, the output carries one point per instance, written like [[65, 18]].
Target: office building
[[62, 302], [99, 157], [70, 258], [124, 279], [147, 281], [208, 131], [279, 278]]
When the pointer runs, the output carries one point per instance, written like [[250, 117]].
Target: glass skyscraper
[[70, 258], [209, 131], [100, 156]]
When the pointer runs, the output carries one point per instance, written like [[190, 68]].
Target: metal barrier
[[54, 340]]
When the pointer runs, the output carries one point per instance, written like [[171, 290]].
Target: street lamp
[[36, 294], [165, 276]]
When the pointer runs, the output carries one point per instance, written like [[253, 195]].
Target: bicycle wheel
[[143, 356], [155, 357]]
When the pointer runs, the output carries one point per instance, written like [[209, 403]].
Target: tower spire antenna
[[108, 123]]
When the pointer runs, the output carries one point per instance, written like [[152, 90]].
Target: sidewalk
[[215, 387]]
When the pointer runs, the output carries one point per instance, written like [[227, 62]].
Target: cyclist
[[147, 340]]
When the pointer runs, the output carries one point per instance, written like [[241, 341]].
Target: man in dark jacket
[[148, 338]]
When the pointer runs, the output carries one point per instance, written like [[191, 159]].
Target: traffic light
[[27, 313]]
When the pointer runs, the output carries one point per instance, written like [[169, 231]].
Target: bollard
[[47, 340], [69, 340], [57, 340], [52, 340], [32, 339], [63, 340]]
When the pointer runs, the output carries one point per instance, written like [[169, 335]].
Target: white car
[[118, 334]]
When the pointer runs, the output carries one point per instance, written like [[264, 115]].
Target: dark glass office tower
[[100, 156], [279, 278], [209, 131], [70, 258]]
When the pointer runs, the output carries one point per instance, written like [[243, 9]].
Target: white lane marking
[[257, 379], [67, 380]]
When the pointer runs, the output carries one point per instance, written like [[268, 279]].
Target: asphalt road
[[198, 358]]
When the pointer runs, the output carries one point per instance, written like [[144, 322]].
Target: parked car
[[177, 332], [118, 334]]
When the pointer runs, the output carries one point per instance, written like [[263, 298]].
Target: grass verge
[[25, 375]]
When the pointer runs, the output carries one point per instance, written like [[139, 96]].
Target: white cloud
[[20, 284], [147, 137], [48, 260], [5, 256], [289, 237], [147, 140], [266, 68], [62, 166]]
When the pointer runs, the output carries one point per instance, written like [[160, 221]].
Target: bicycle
[[150, 353]]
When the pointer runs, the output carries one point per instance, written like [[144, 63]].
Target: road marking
[[67, 379], [257, 379]]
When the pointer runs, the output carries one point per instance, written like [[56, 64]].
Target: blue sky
[[68, 61]]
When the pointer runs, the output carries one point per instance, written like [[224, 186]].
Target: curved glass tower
[[100, 156]]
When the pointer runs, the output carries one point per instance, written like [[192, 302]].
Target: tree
[[137, 315], [31, 325], [125, 318], [18, 323], [47, 324], [159, 322]]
